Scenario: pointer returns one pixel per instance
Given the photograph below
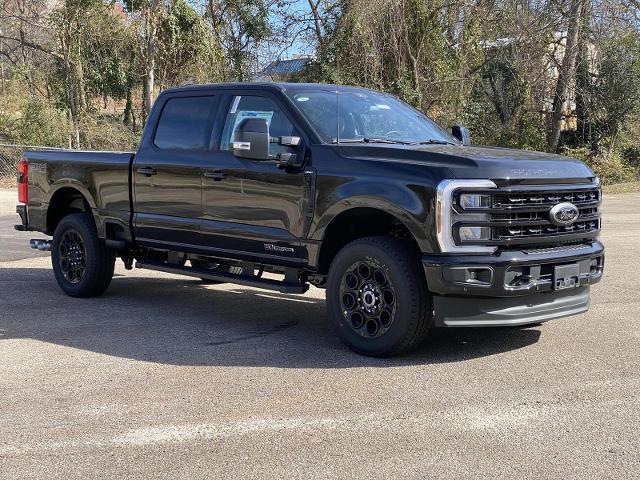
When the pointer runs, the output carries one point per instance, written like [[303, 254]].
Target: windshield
[[363, 116]]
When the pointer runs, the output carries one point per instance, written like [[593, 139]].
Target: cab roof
[[274, 86]]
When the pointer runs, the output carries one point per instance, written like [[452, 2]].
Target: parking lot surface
[[163, 377]]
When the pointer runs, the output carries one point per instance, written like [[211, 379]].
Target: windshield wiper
[[433, 141], [371, 140]]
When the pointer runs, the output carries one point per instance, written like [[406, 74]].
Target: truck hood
[[455, 161]]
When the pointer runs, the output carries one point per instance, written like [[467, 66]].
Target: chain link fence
[[10, 155]]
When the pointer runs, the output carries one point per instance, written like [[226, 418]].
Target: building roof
[[285, 67]]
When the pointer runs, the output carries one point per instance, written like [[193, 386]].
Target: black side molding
[[248, 280]]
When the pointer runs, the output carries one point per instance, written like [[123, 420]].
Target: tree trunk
[[315, 13], [74, 108], [148, 84], [566, 74], [149, 81], [583, 82], [128, 109]]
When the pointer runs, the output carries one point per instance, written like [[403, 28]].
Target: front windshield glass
[[364, 116]]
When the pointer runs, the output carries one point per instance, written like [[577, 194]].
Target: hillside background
[[552, 75]]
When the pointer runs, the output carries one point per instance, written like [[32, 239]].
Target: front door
[[254, 206], [167, 181]]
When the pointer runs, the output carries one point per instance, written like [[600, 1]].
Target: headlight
[[474, 234], [471, 201], [452, 210]]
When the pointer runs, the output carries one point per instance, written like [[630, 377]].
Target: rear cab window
[[185, 123]]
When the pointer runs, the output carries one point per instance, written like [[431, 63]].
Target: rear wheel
[[377, 297], [82, 264]]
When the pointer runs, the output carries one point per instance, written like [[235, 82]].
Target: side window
[[260, 107], [185, 123]]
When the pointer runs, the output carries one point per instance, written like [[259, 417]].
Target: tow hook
[[40, 244]]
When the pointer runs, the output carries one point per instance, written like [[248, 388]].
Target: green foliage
[[184, 44], [631, 156], [106, 132], [240, 26], [107, 50], [610, 167], [36, 124]]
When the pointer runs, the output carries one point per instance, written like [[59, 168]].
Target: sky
[[297, 48]]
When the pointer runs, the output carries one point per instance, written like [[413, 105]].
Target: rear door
[[167, 180]]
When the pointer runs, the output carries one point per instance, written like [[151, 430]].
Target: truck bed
[[102, 177]]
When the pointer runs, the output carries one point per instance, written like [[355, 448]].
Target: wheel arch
[[359, 221], [64, 200]]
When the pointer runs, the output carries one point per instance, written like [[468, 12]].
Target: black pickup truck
[[279, 186]]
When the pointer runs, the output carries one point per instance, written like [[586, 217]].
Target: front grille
[[520, 216], [542, 230], [520, 200]]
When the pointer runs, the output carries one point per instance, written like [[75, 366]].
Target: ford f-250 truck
[[405, 225]]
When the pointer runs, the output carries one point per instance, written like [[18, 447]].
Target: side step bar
[[248, 280]]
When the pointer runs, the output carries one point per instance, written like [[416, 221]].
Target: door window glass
[[185, 123], [256, 107]]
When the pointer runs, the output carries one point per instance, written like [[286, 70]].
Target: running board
[[248, 280]]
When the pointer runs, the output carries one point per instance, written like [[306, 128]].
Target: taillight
[[23, 186]]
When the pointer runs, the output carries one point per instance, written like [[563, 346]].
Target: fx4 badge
[[275, 248]]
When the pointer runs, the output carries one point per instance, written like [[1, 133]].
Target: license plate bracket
[[566, 276]]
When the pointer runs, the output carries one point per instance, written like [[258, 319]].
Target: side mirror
[[462, 134], [251, 139]]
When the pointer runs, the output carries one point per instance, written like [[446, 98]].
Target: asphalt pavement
[[163, 377]]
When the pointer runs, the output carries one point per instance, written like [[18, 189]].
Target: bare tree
[[566, 74], [150, 15]]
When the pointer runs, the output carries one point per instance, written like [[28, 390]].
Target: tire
[[83, 265], [395, 285]]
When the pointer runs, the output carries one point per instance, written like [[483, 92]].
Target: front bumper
[[511, 287], [509, 311]]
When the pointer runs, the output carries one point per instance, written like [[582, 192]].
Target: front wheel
[[377, 297], [83, 265]]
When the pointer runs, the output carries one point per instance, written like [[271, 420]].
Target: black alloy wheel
[[368, 299], [72, 257]]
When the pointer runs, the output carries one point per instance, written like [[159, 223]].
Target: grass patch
[[8, 182], [626, 187]]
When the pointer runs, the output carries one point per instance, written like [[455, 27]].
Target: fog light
[[477, 276], [474, 234], [470, 201]]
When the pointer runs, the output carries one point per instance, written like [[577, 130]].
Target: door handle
[[147, 171], [217, 175]]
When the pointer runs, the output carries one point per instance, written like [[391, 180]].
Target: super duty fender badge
[[275, 248], [41, 167]]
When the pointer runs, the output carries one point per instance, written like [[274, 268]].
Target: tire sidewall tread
[[100, 260], [412, 320]]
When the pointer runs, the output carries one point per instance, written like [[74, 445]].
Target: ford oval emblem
[[564, 214]]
